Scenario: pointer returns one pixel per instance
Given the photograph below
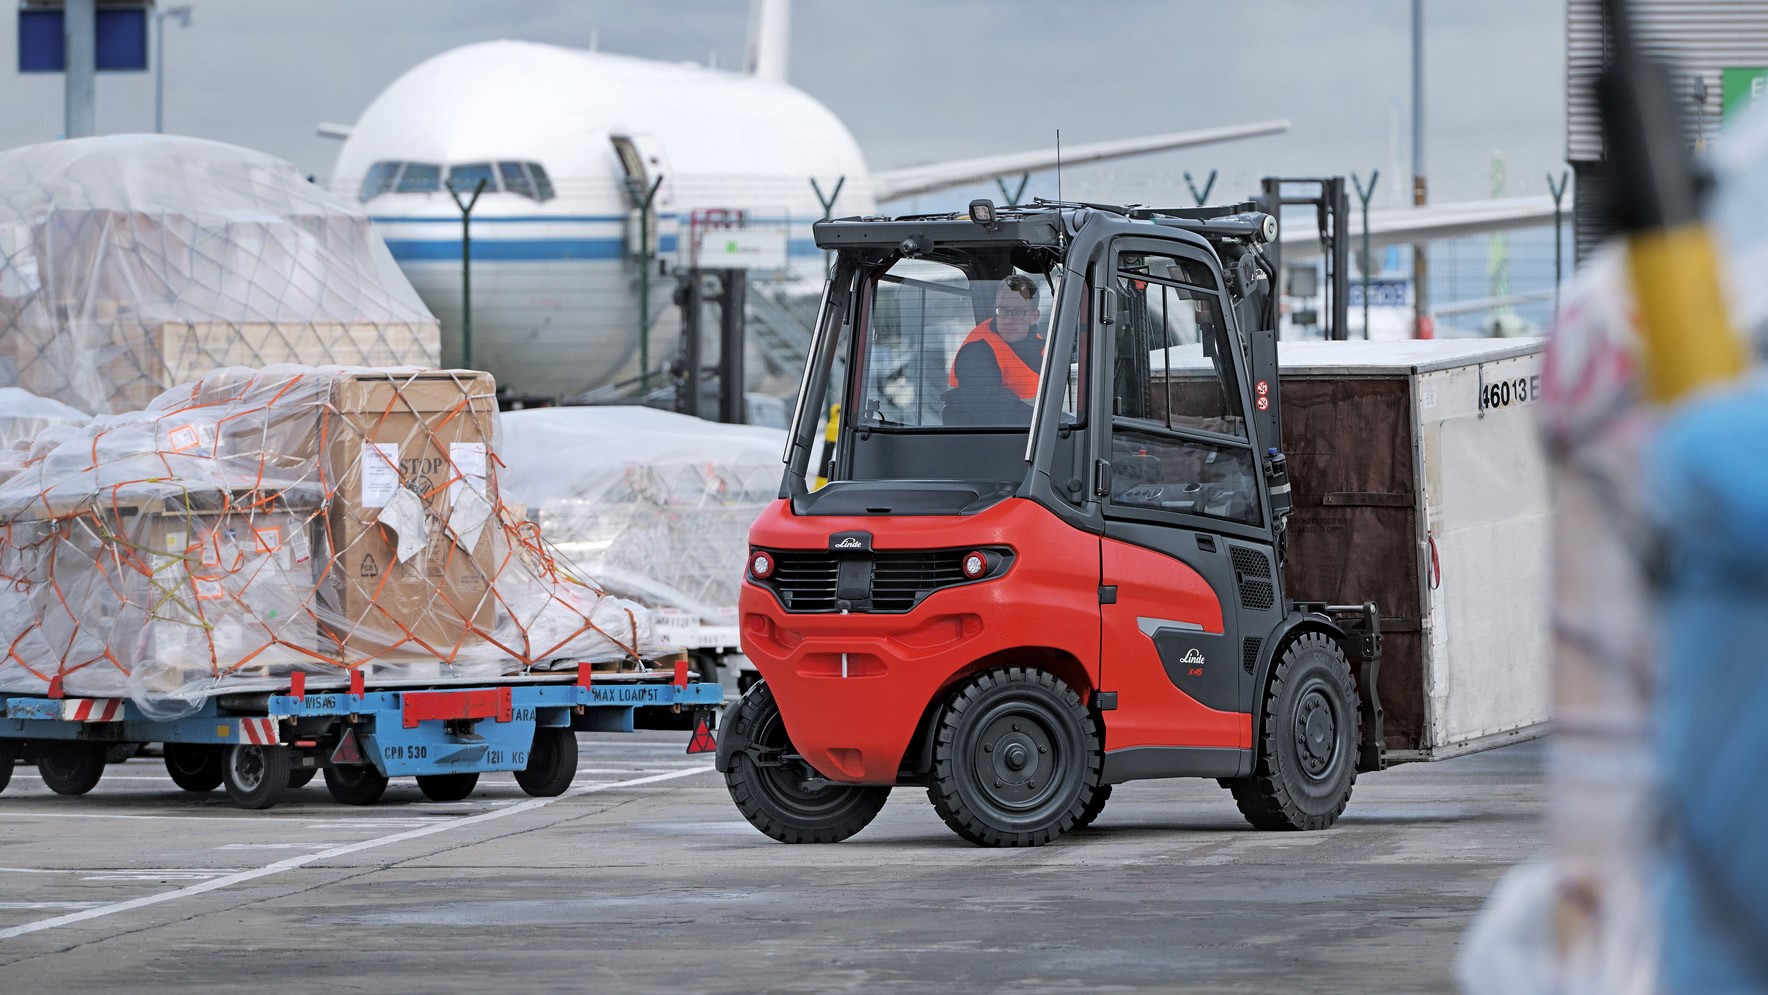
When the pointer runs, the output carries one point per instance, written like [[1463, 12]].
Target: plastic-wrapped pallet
[[256, 523], [131, 263], [29, 423], [654, 505]]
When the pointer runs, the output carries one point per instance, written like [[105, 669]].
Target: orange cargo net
[[255, 524]]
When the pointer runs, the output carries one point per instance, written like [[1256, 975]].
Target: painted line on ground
[[295, 862]]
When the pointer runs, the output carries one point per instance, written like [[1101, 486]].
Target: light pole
[[182, 13]]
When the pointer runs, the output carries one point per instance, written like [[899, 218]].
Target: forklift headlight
[[761, 566], [982, 211], [975, 564]]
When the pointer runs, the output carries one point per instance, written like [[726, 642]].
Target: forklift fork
[[1362, 642]]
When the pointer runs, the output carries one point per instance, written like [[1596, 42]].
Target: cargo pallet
[[257, 745]]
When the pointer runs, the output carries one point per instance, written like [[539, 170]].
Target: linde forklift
[[1048, 558]]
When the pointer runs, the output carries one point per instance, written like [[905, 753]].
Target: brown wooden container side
[[1353, 531]]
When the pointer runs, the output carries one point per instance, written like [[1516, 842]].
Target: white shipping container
[[1421, 484]]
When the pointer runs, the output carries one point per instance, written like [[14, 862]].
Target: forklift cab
[[1038, 550], [1087, 361]]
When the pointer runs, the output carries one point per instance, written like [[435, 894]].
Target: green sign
[[1742, 87]]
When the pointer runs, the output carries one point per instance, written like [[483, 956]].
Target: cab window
[[1179, 440], [959, 343]]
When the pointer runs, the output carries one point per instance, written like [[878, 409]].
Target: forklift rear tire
[[785, 797], [1016, 759], [255, 776], [447, 787], [359, 784], [6, 763], [71, 767], [194, 766], [1307, 754], [552, 763]]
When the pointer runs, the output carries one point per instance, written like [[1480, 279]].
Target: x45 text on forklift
[[1049, 557]]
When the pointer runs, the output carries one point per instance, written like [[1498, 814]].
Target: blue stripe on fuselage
[[542, 249]]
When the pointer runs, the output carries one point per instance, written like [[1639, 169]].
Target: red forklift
[[1048, 556]]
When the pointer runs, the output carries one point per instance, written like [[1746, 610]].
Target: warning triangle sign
[[347, 752], [702, 741]]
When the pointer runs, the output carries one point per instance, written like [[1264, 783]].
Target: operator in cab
[[994, 375], [1004, 351]]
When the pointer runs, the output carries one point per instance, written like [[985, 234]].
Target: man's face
[[1014, 315]]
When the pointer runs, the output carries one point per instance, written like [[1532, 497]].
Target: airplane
[[568, 142]]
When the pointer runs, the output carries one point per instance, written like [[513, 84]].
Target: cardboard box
[[428, 435]]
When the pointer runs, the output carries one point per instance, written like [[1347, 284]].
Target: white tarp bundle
[[131, 263], [256, 523], [653, 505]]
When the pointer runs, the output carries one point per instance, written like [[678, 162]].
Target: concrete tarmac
[[644, 878]]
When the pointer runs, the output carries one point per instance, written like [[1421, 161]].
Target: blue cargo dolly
[[259, 744]]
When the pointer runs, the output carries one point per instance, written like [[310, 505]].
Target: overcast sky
[[923, 80]]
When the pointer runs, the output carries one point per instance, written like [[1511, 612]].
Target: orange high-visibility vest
[[1016, 376]]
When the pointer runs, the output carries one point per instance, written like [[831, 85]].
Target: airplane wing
[[889, 184], [1404, 225]]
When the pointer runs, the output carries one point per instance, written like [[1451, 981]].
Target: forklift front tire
[[1016, 759], [1101, 795], [778, 792], [1307, 754], [6, 762]]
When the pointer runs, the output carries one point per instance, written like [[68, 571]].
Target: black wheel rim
[[1018, 756], [248, 768], [785, 781], [1315, 730]]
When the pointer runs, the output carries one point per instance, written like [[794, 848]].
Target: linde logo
[[1193, 657], [851, 542]]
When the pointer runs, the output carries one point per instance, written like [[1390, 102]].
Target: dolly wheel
[[447, 787], [1016, 758], [299, 776], [6, 762], [360, 784], [552, 763], [71, 767], [194, 766], [255, 776], [778, 792], [1307, 754]]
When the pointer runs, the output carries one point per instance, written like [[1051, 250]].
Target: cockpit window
[[543, 188], [466, 177], [379, 179], [419, 177], [515, 178], [525, 178]]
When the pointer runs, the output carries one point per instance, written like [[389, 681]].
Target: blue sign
[[1382, 293], [122, 40]]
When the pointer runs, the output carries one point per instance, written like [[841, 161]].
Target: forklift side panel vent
[[1249, 648], [1253, 571]]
